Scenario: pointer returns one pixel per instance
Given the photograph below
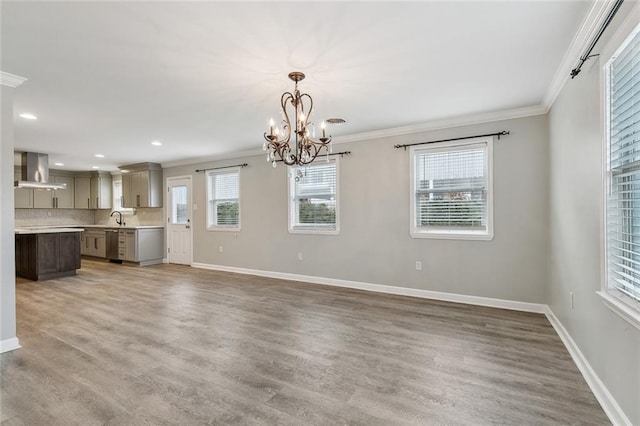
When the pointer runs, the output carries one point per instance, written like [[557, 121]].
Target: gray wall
[[7, 240], [610, 344], [374, 244]]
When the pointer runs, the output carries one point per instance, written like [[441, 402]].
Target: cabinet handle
[[88, 203], [53, 203], [138, 200], [95, 243], [97, 203]]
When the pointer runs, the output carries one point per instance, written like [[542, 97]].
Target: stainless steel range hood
[[35, 172]]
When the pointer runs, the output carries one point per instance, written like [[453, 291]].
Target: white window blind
[[451, 190], [223, 199], [623, 172], [313, 195]]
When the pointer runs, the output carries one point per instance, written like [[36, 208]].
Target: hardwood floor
[[165, 344]]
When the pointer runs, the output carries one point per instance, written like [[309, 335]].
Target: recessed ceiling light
[[95, 167], [99, 155], [58, 164], [156, 143], [28, 116]]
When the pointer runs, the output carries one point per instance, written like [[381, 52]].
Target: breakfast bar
[[47, 253]]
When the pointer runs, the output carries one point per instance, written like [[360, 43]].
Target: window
[[451, 190], [223, 200], [622, 90], [313, 198], [117, 198]]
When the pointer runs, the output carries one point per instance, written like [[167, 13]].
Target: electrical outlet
[[220, 249], [299, 255], [571, 298], [49, 214], [418, 266]]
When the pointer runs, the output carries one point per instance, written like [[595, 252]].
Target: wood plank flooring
[[119, 345]]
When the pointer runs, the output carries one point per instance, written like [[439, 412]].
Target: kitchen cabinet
[[41, 256], [130, 245], [93, 190], [142, 185], [101, 190], [93, 243], [82, 192], [142, 246], [23, 197], [55, 199]]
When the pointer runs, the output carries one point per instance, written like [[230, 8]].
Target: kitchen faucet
[[118, 220]]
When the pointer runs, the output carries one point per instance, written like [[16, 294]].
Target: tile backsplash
[[142, 216], [40, 217], [51, 217]]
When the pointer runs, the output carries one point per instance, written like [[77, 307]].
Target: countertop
[[123, 227], [46, 230], [52, 228]]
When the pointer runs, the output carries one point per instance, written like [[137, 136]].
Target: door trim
[[166, 213]]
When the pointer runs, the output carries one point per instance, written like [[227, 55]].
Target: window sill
[[621, 308], [313, 231], [452, 236], [223, 229]]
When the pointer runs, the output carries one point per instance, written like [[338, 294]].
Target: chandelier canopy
[[304, 148]]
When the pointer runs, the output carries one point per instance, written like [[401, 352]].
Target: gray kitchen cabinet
[[142, 185], [130, 246], [144, 246], [23, 197], [93, 190], [93, 243], [82, 192], [55, 199], [101, 190]]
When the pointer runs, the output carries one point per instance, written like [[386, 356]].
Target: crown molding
[[11, 80], [466, 120], [446, 123], [590, 26], [212, 158]]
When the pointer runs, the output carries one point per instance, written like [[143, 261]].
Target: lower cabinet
[[140, 246], [94, 243], [47, 255]]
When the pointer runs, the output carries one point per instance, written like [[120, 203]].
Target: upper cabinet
[[58, 199], [93, 190], [142, 185], [101, 190], [23, 197]]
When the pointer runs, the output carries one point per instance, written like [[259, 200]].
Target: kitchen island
[[46, 253]]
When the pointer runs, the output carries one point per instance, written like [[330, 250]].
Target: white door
[[179, 220]]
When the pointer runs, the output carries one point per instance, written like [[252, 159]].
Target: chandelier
[[304, 148]]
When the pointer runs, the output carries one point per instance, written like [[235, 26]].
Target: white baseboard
[[388, 289], [165, 260], [602, 394], [9, 345]]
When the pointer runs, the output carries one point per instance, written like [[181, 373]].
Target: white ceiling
[[205, 77]]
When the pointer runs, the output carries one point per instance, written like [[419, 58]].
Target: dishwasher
[[113, 246]]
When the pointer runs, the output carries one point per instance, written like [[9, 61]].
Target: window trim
[[223, 228], [619, 303], [126, 211], [314, 230], [414, 231]]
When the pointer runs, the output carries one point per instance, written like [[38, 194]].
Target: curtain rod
[[225, 167], [341, 154], [405, 146], [587, 54]]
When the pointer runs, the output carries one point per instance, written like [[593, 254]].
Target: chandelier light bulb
[[323, 125]]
